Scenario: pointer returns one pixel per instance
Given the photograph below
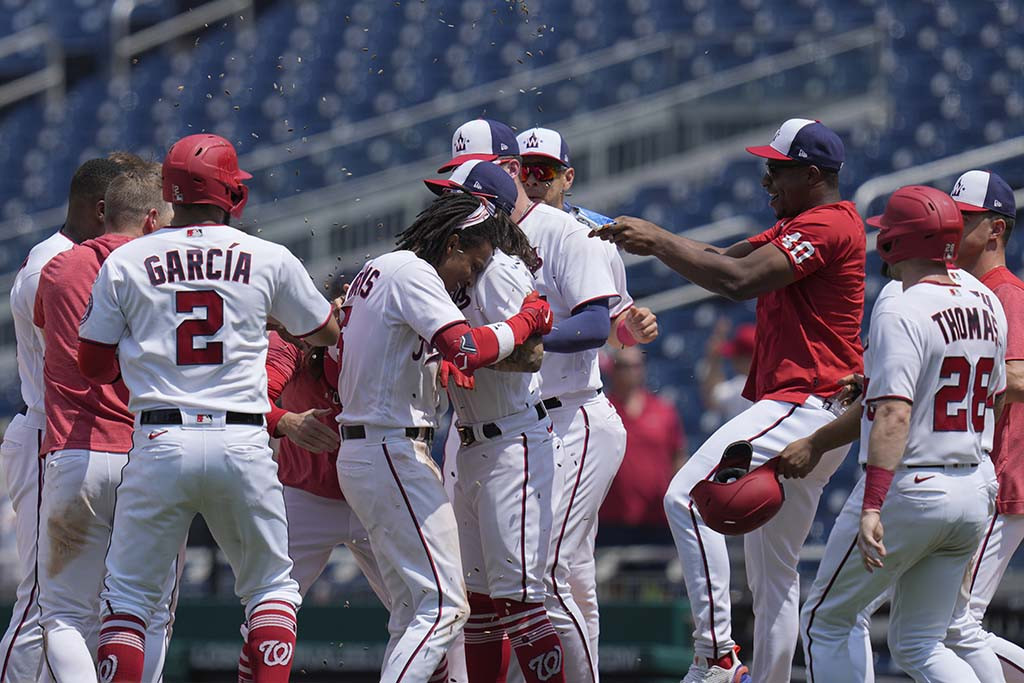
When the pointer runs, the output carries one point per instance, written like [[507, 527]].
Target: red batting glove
[[449, 372], [539, 312]]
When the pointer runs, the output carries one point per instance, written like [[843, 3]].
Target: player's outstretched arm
[[326, 335], [799, 458], [469, 348], [738, 273]]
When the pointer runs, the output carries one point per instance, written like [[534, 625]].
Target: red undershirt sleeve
[[98, 362]]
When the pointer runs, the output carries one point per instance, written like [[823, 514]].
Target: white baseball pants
[[967, 637], [223, 472], [395, 489], [21, 649], [316, 526], [503, 505], [933, 520], [772, 552], [74, 533]]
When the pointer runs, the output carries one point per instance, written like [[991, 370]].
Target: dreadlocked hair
[[512, 240], [428, 236]]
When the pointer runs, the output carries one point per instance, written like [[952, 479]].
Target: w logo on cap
[[460, 143], [958, 188], [532, 141]]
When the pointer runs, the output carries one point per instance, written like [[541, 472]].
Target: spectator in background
[[633, 511], [723, 396]]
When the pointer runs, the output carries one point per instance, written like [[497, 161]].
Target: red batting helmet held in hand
[[919, 222], [735, 500], [203, 169]]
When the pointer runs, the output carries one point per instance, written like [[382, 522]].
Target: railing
[[49, 79], [126, 45]]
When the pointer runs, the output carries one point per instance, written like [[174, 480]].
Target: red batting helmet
[[919, 222], [735, 500], [203, 169]]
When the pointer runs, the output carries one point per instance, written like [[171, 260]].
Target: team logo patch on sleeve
[[88, 310]]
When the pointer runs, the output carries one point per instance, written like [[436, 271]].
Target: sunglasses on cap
[[543, 172]]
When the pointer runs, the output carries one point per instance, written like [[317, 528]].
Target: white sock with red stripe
[[271, 641], [122, 652], [244, 668], [533, 639], [487, 651]]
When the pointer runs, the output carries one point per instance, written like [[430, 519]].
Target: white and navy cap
[[481, 139], [543, 142], [805, 141], [480, 178], [977, 191]]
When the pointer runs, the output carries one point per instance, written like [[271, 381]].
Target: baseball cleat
[[725, 669]]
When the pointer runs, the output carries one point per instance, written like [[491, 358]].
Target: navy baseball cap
[[480, 178], [805, 141], [544, 142], [481, 139], [977, 191]]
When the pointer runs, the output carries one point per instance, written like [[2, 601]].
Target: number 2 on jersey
[[188, 330], [943, 420]]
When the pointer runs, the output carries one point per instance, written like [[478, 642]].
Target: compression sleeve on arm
[[469, 348], [587, 328], [98, 362]]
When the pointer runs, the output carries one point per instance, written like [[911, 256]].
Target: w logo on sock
[[107, 668], [547, 664], [276, 653]]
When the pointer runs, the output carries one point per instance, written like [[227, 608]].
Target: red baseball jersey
[[79, 413], [1006, 450], [295, 386], [808, 333]]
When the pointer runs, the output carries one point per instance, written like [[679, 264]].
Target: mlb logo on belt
[[194, 232], [202, 418]]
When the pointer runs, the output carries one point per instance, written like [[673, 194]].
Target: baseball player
[[508, 464], [934, 365], [199, 395], [88, 436], [989, 211], [807, 273], [21, 647], [547, 177], [577, 278], [399, 309]]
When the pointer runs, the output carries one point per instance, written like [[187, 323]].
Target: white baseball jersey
[[943, 349], [497, 295], [397, 303], [29, 337], [187, 308], [575, 270]]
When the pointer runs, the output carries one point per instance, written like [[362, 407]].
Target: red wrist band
[[876, 486], [624, 336]]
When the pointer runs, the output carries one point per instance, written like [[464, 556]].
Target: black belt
[[491, 430], [172, 416], [23, 410], [952, 465], [414, 433], [554, 402]]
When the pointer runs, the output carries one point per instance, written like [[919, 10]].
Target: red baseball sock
[[487, 651], [271, 641], [533, 639], [244, 668], [122, 652], [440, 674]]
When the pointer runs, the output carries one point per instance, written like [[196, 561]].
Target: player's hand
[[539, 313], [307, 431], [642, 324], [450, 373], [798, 459], [852, 386], [869, 540], [635, 235]]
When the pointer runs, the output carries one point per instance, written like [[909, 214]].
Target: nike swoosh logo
[[918, 479], [159, 432]]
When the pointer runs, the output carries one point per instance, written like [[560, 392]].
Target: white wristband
[[506, 339]]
